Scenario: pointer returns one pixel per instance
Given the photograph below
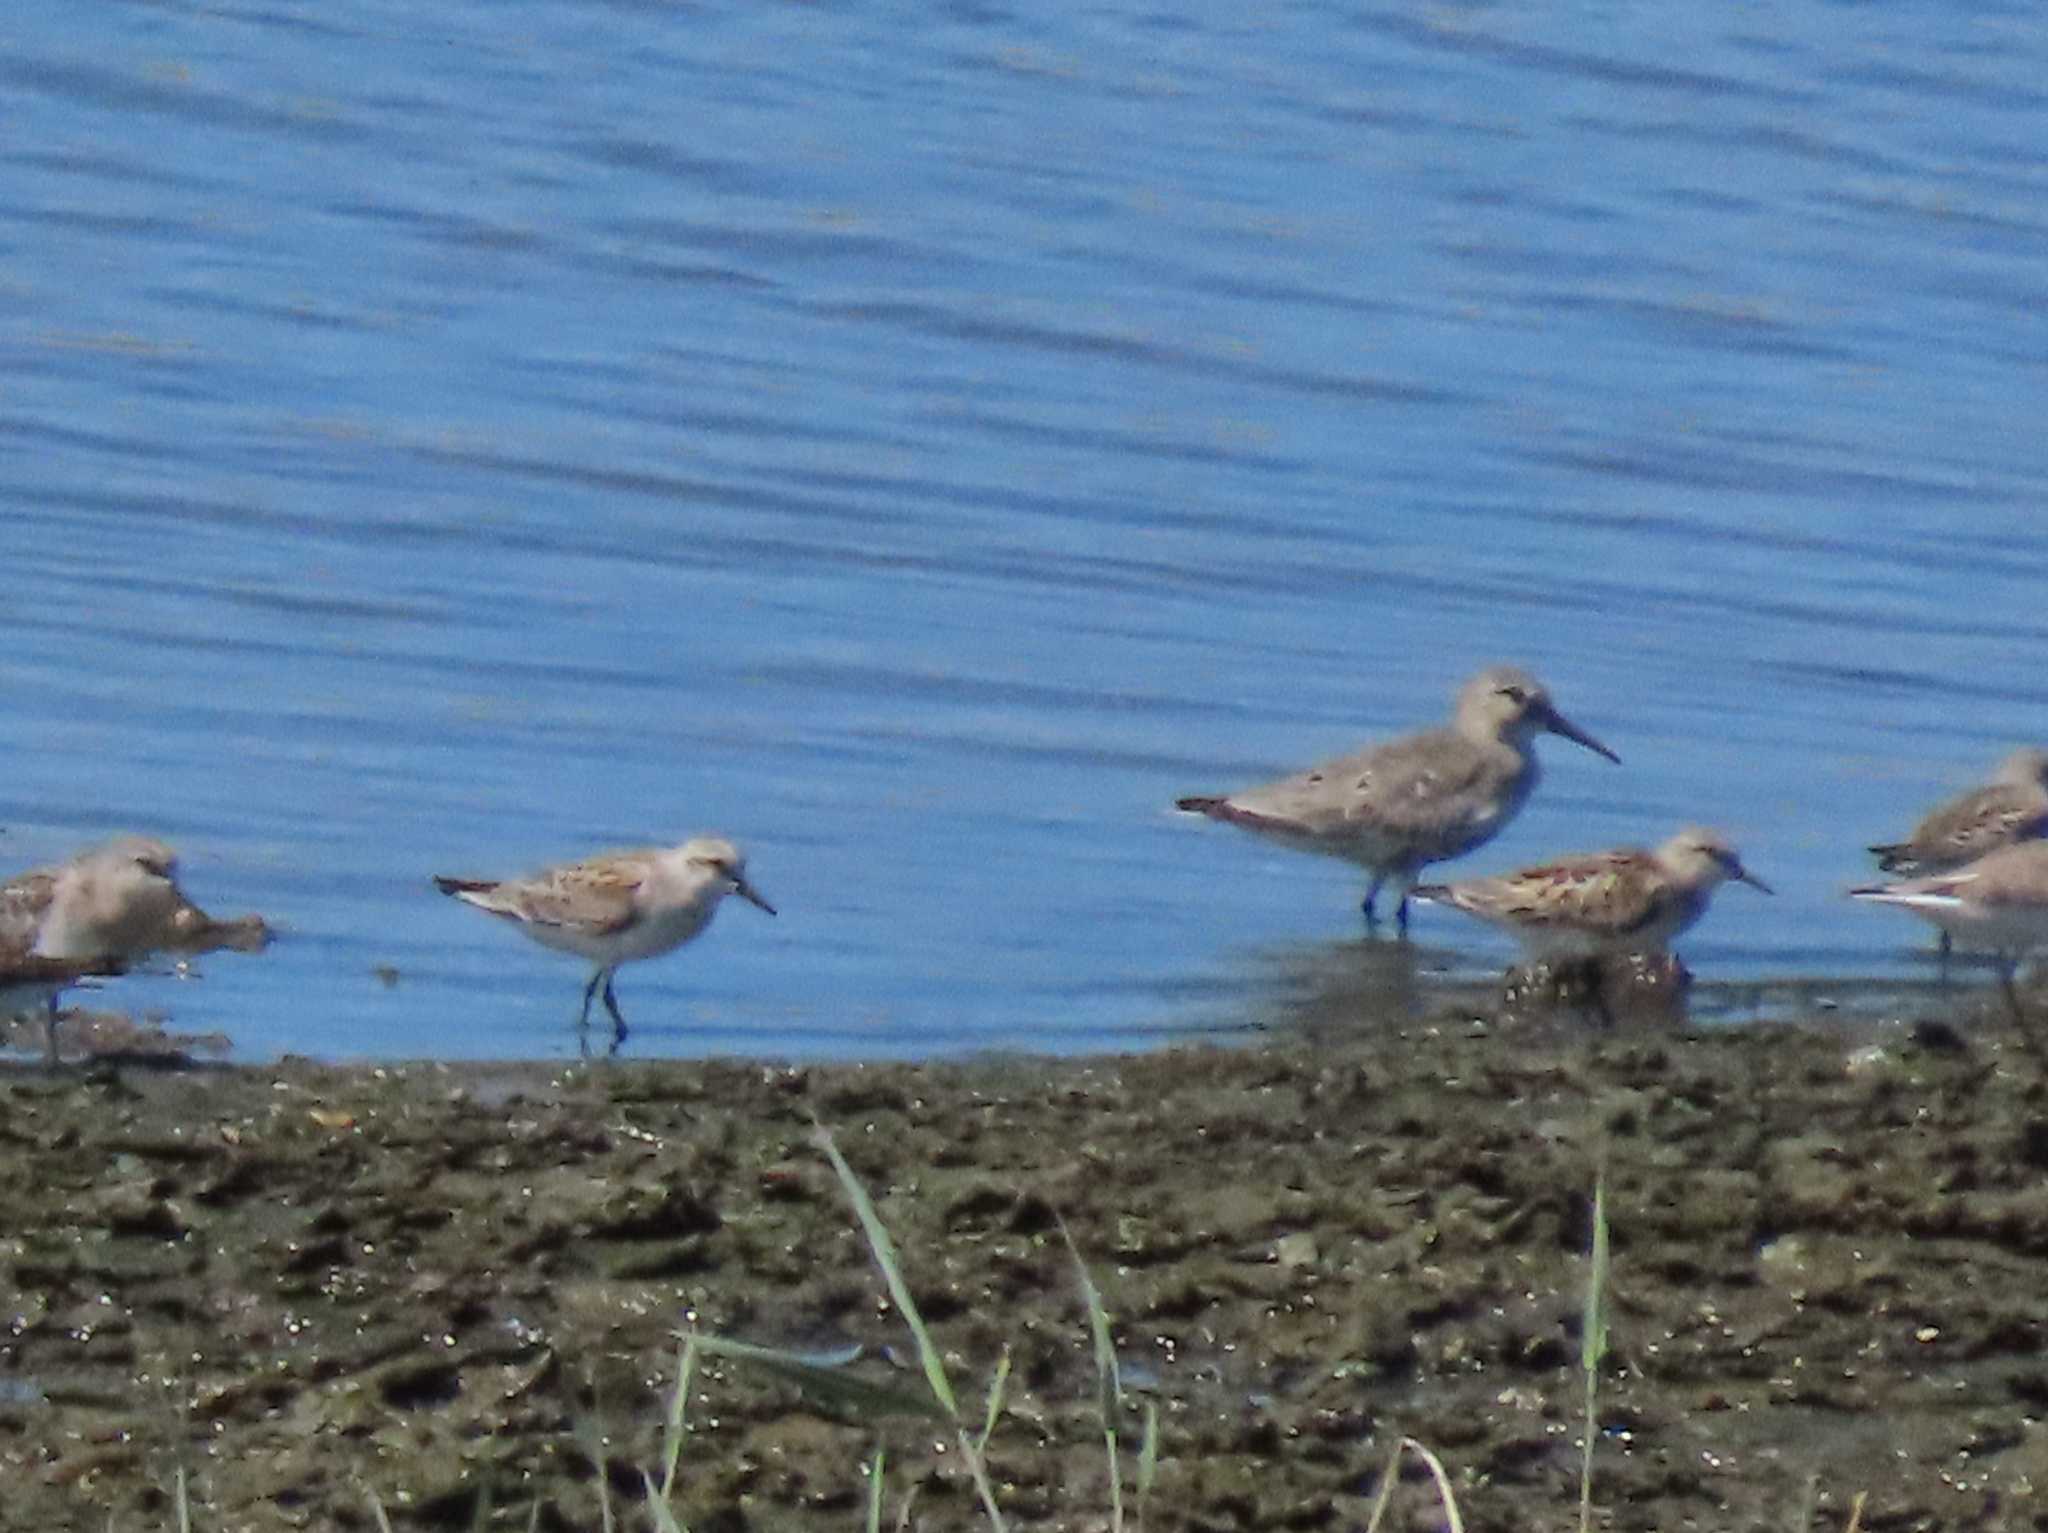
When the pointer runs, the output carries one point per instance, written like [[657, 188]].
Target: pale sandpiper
[[1395, 808], [96, 913], [119, 899], [1998, 903], [116, 899], [2011, 808], [617, 907]]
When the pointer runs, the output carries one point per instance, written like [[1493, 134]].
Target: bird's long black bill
[[1558, 724]]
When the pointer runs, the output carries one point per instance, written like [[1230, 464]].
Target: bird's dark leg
[[1947, 946], [583, 1016], [611, 1004], [1372, 894], [50, 1028], [1401, 916]]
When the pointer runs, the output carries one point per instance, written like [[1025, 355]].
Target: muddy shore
[[302, 1286]]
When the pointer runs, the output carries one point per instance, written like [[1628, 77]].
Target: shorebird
[[1999, 902], [2011, 808], [1393, 809], [117, 899], [616, 907], [96, 914], [1627, 901]]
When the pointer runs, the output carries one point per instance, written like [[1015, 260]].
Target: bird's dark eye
[[1514, 694]]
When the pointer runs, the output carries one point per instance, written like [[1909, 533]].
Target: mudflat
[[300, 1288]]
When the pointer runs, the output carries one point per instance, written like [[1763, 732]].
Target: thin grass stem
[[875, 1491]]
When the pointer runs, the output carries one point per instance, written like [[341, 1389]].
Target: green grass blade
[[977, 1468], [875, 1492], [1453, 1521], [1108, 1376], [677, 1426], [1389, 1478], [1593, 1333], [664, 1516], [1109, 1390], [1148, 1457], [1593, 1339], [892, 1274], [995, 1399], [181, 1492]]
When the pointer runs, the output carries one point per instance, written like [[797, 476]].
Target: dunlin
[[1627, 901], [102, 910], [120, 899], [2011, 808], [1395, 808], [617, 907], [1999, 903], [114, 900]]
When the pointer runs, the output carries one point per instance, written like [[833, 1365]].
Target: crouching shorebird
[[1395, 808], [97, 914], [1999, 903], [617, 907], [1606, 904], [1627, 901], [2009, 809]]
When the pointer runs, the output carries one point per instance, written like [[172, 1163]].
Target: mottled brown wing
[[1610, 894], [595, 896], [1980, 822]]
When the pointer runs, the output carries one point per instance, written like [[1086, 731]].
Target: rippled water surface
[[922, 443]]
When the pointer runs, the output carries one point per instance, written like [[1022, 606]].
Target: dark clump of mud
[[302, 1287]]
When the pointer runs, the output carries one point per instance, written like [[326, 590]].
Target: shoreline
[[417, 1279]]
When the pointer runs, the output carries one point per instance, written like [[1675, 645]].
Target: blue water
[[921, 442]]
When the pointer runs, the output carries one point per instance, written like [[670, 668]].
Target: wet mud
[[456, 1291]]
